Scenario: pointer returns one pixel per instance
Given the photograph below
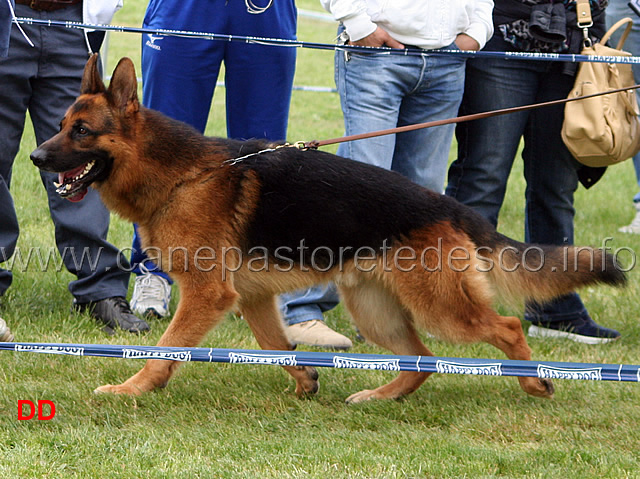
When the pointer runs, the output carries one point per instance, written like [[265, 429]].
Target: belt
[[47, 5]]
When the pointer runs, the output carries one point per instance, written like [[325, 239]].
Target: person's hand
[[378, 38], [465, 42]]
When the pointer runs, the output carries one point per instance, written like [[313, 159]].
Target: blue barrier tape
[[431, 364], [558, 57]]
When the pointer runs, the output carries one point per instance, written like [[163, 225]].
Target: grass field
[[234, 421]]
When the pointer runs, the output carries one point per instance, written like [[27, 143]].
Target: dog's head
[[91, 131]]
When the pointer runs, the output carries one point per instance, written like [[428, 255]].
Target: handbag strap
[[584, 20], [624, 35]]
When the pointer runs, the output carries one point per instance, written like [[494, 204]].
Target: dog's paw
[[118, 389], [307, 383], [548, 385], [306, 380], [542, 388], [362, 396]]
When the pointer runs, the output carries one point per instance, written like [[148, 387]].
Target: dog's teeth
[[67, 187], [56, 184]]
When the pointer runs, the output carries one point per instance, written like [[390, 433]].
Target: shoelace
[[151, 288], [122, 305], [127, 319]]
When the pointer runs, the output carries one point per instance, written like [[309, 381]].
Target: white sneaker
[[634, 227], [5, 334], [151, 295], [316, 333]]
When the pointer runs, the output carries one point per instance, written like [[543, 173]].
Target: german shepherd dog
[[238, 222]]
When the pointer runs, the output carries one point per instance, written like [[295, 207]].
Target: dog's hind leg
[[381, 319], [459, 310], [263, 317], [464, 315], [505, 333], [201, 307]]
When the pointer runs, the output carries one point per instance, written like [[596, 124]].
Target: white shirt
[[99, 12], [426, 24]]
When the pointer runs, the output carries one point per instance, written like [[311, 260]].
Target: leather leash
[[314, 144]]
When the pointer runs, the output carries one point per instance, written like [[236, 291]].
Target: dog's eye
[[80, 131]]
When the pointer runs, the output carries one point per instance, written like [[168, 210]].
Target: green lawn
[[244, 421]]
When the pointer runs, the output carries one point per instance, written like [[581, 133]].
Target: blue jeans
[[487, 148], [379, 91], [617, 10], [307, 305]]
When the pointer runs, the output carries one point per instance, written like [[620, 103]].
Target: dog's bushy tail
[[542, 272]]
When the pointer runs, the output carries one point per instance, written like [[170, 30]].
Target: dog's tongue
[[72, 174], [79, 196]]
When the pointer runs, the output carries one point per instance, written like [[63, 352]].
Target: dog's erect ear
[[91, 79], [123, 89]]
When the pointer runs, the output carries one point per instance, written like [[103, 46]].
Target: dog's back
[[306, 198]]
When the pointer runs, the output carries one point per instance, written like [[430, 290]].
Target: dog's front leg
[[263, 317], [201, 307]]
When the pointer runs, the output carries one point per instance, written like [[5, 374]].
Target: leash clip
[[584, 20], [586, 41]]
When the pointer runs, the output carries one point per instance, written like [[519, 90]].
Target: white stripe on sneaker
[[540, 332]]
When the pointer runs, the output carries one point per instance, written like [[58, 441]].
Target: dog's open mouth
[[73, 184]]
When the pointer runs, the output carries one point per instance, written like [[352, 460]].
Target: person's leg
[[179, 79], [423, 155], [636, 166], [152, 288], [303, 312], [259, 78], [15, 71], [259, 81], [9, 229], [179, 74], [552, 179], [360, 95], [371, 89], [487, 147], [616, 10], [80, 228], [634, 226]]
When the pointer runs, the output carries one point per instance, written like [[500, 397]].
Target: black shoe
[[582, 330], [113, 313]]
